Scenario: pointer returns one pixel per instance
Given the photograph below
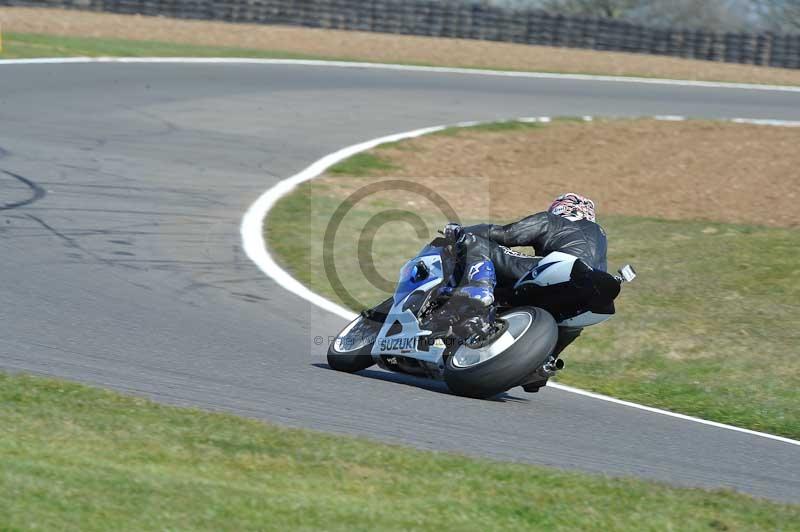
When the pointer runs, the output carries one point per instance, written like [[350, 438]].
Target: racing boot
[[479, 320]]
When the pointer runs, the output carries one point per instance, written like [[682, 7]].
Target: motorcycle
[[413, 331]]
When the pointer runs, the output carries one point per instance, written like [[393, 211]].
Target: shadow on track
[[425, 384]]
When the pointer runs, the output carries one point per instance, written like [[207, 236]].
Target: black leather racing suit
[[546, 233]]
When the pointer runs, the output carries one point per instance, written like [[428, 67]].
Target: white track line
[[684, 417], [767, 122], [253, 220], [406, 68]]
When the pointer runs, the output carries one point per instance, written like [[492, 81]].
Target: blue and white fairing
[[418, 278]]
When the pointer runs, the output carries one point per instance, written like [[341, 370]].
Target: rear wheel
[[484, 371], [351, 351]]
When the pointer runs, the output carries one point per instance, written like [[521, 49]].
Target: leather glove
[[453, 232]]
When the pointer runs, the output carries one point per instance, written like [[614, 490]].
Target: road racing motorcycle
[[413, 332]]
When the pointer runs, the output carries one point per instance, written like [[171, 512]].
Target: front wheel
[[351, 351], [529, 337]]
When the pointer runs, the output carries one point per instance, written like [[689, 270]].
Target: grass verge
[[361, 165], [79, 458], [709, 328], [23, 45]]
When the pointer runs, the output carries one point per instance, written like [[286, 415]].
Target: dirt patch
[[381, 47], [698, 170]]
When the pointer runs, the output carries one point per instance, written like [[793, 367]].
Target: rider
[[568, 226]]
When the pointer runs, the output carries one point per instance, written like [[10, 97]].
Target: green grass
[[25, 45], [491, 127], [79, 458], [502, 126], [361, 165], [709, 329]]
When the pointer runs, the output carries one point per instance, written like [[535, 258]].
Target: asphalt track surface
[[122, 188]]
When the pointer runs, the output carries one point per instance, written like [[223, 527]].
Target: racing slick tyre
[[351, 350], [528, 337]]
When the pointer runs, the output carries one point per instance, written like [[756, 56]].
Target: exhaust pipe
[[551, 367]]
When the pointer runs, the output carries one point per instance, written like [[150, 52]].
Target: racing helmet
[[573, 207]]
